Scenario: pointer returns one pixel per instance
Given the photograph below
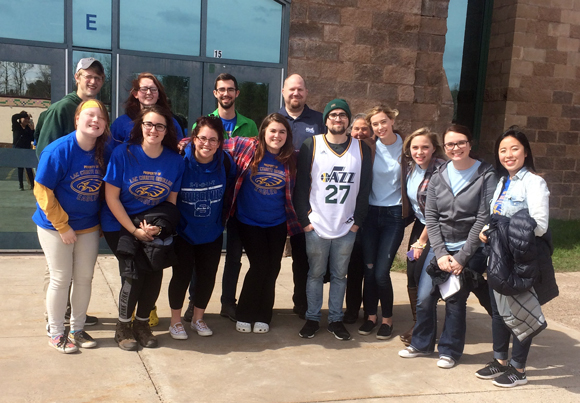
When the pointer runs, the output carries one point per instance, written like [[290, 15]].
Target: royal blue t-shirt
[[144, 181], [201, 198], [229, 126], [75, 178], [122, 126], [262, 198]]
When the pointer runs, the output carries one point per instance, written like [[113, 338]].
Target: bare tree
[[4, 78], [19, 71]]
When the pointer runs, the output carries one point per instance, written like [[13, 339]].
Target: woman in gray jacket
[[456, 210]]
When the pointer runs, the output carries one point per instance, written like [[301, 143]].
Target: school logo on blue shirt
[[269, 179], [203, 197], [150, 187], [309, 130], [87, 183]]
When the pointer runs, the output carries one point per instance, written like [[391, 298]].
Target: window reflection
[[244, 30], [253, 101], [168, 26], [24, 87], [92, 24], [32, 20], [105, 59], [453, 55]]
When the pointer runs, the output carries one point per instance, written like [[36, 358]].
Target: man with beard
[[305, 123], [333, 182], [226, 91]]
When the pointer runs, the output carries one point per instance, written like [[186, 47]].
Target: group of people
[[343, 188]]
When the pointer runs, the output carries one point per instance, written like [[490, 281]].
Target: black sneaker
[[492, 370], [385, 332], [510, 378], [350, 317], [338, 330], [309, 329], [188, 315], [89, 321], [367, 328], [229, 311]]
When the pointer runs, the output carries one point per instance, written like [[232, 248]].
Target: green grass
[[566, 239]]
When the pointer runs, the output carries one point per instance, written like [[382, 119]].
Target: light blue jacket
[[526, 190]]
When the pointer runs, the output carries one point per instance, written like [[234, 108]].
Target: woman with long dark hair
[[519, 188], [68, 182], [262, 203], [146, 90], [209, 172], [456, 210], [141, 174]]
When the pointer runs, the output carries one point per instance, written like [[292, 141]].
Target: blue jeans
[[501, 339], [382, 234], [322, 252], [452, 340]]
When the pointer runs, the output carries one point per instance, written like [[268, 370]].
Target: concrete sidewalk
[[274, 367]]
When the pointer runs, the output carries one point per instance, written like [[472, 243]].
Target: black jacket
[[149, 256], [518, 260]]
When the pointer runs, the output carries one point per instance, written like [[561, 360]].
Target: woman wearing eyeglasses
[[262, 203], [208, 173], [141, 175], [146, 90], [456, 210]]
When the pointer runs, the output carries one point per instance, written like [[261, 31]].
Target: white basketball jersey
[[335, 184]]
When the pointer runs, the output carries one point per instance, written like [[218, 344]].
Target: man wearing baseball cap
[[59, 117], [331, 197]]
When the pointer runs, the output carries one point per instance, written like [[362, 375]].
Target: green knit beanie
[[337, 103]]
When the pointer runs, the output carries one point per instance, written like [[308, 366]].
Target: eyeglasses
[[144, 90], [459, 144], [341, 116], [88, 77], [223, 90], [204, 140], [159, 127]]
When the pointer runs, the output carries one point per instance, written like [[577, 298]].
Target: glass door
[[260, 89], [181, 79], [31, 78]]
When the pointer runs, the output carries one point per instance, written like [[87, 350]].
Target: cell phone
[[411, 255]]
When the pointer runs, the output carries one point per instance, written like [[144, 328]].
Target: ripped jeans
[[382, 235]]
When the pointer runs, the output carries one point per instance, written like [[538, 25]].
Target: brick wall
[[532, 81], [371, 52]]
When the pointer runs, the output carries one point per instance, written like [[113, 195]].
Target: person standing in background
[[22, 137]]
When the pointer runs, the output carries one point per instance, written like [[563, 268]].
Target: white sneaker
[[412, 352], [201, 328], [261, 327], [178, 332], [445, 362], [243, 327]]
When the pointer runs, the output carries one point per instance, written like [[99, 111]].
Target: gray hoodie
[[457, 218]]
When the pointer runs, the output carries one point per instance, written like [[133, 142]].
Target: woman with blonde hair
[[68, 182], [383, 229]]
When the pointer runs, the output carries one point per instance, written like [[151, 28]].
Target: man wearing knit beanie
[[331, 202]]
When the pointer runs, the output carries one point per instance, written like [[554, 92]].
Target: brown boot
[[124, 336], [143, 335], [406, 337]]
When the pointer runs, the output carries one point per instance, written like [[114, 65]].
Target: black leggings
[[204, 259], [141, 292], [264, 248]]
